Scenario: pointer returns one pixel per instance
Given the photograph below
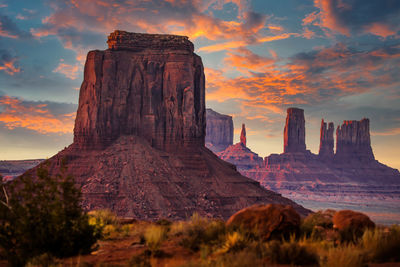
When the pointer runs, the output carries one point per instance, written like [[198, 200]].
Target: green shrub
[[290, 253], [42, 215], [199, 231], [382, 245], [315, 223], [343, 256]]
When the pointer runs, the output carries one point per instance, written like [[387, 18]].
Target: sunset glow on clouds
[[337, 59], [33, 116]]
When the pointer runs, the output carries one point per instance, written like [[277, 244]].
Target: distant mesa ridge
[[297, 172], [140, 131]]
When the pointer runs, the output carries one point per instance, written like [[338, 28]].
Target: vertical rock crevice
[[326, 141]]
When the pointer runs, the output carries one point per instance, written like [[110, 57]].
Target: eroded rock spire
[[243, 135]]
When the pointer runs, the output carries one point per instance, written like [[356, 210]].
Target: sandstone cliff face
[[353, 142], [139, 136], [326, 141], [137, 88], [219, 131], [294, 133]]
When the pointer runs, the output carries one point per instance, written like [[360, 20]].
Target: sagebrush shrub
[[42, 215]]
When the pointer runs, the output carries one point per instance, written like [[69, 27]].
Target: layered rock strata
[[294, 133], [326, 141], [353, 142], [351, 178], [219, 131], [240, 155], [139, 136], [142, 86]]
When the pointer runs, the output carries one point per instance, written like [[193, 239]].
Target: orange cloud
[[245, 60], [308, 78], [236, 44], [346, 17], [36, 117], [380, 29], [9, 67], [70, 71]]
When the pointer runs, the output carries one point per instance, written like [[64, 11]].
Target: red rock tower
[[326, 140], [353, 141], [243, 135], [132, 88], [294, 134]]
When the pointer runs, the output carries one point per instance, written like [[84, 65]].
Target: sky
[[336, 59]]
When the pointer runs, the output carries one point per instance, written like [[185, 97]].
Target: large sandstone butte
[[139, 136], [219, 133]]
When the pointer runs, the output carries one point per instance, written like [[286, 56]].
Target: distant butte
[[140, 131], [350, 174]]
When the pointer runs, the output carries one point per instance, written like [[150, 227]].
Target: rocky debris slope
[[219, 131], [139, 136]]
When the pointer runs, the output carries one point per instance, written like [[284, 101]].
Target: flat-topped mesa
[[243, 135], [353, 141], [326, 141], [158, 96], [294, 133], [219, 131], [122, 40]]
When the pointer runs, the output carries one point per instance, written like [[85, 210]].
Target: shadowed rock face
[[353, 141], [326, 141], [139, 136], [294, 133], [219, 133], [136, 88]]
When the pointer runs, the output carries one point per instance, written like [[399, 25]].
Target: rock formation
[[240, 155], [219, 131], [150, 86], [294, 133], [269, 221], [326, 141], [353, 142], [139, 136], [10, 169], [243, 135], [350, 176]]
